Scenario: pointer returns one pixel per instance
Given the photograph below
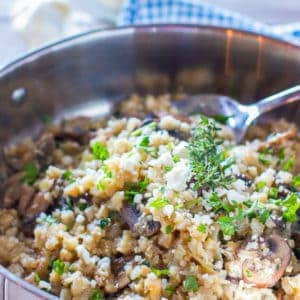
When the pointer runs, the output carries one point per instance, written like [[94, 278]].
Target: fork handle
[[284, 97]]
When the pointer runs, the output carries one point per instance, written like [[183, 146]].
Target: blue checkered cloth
[[144, 12]]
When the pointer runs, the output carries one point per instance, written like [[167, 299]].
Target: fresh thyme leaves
[[208, 161], [134, 188], [30, 173], [227, 225]]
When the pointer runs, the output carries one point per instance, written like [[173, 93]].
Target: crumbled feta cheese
[[178, 176], [284, 177], [233, 195], [168, 210], [181, 150]]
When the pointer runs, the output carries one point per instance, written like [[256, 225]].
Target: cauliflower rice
[[125, 209]]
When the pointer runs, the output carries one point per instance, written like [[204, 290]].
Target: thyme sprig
[[208, 160]]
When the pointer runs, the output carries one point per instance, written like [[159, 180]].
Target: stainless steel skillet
[[86, 74]]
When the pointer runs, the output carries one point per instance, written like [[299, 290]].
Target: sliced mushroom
[[121, 278], [137, 224], [75, 129], [45, 147], [39, 204], [12, 190], [278, 139], [264, 260], [27, 193]]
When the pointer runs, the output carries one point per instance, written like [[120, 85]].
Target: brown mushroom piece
[[77, 129], [121, 278], [278, 139], [12, 189], [137, 224], [45, 147], [264, 260], [39, 204]]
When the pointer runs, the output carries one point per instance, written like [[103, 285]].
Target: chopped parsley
[[227, 225], [176, 158], [58, 267], [159, 202], [31, 173], [107, 171], [217, 204], [103, 223], [82, 205], [161, 272], [202, 228], [169, 229], [97, 295], [222, 118], [100, 185], [296, 181], [281, 154], [134, 188], [288, 164], [273, 192], [137, 132], [191, 284], [291, 205], [168, 168], [260, 186], [69, 203], [170, 289], [100, 151], [68, 176], [145, 141], [37, 278], [263, 159], [207, 159]]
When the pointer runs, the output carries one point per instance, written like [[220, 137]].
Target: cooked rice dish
[[152, 204]]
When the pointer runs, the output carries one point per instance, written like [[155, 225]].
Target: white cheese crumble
[[178, 176]]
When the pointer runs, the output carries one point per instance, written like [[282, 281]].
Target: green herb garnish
[[107, 171], [145, 142], [217, 204], [134, 188], [260, 185], [191, 284], [273, 192], [97, 295], [202, 228], [168, 168], [291, 205], [68, 176], [159, 202], [207, 159], [82, 205], [169, 229], [262, 158], [176, 158], [296, 181], [103, 223], [161, 272], [227, 225], [58, 267], [170, 289], [31, 173], [222, 118], [37, 278], [289, 164], [100, 151]]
